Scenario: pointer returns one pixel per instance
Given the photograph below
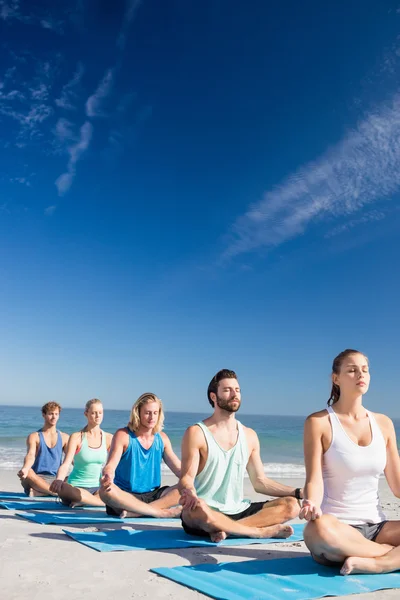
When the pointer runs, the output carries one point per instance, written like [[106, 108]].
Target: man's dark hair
[[213, 385]]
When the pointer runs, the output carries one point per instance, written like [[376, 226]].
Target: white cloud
[[371, 216], [130, 12], [69, 96], [361, 169], [94, 104], [64, 181], [50, 210], [64, 130]]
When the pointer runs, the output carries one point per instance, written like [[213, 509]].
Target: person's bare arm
[[169, 456], [191, 444], [392, 469], [65, 440], [119, 445], [255, 469], [313, 453], [32, 444], [109, 438], [73, 443]]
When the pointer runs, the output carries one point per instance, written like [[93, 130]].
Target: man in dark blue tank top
[[44, 453], [131, 482]]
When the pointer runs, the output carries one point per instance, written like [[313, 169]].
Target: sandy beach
[[40, 562]]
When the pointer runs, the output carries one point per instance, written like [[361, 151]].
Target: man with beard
[[215, 454]]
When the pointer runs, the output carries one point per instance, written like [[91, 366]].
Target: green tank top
[[88, 463], [220, 484]]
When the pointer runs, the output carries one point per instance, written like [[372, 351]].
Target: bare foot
[[127, 514], [170, 513], [218, 536], [274, 531], [355, 564], [77, 504]]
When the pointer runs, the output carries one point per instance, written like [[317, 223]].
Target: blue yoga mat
[[127, 539], [20, 496], [91, 517], [295, 578], [47, 505]]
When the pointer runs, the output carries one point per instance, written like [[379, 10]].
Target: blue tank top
[[48, 460], [139, 470]]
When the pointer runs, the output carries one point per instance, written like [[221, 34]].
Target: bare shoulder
[[73, 437], [250, 433], [121, 434], [384, 422], [194, 436], [164, 437], [33, 438]]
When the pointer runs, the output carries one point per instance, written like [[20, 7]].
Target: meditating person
[[216, 453], [44, 453], [131, 482], [347, 448], [87, 450]]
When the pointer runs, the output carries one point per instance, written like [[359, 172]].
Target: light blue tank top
[[220, 483], [139, 470], [48, 460]]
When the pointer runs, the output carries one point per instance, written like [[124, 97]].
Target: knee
[[322, 531], [291, 507], [105, 495], [200, 513]]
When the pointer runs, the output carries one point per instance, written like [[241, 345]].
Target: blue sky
[[189, 186]]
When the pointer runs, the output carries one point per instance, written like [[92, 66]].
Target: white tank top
[[351, 475]]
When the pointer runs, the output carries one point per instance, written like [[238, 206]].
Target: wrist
[[298, 494]]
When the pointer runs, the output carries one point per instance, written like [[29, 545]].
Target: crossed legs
[[164, 507], [266, 523], [35, 485], [331, 541]]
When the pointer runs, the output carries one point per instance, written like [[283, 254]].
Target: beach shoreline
[[41, 562]]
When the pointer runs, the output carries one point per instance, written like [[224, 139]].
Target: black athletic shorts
[[145, 497], [252, 509]]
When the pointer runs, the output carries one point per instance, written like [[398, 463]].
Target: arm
[[73, 444], [191, 444], [65, 440], [392, 469], [32, 443], [109, 438], [313, 453], [255, 469], [119, 445], [169, 456]]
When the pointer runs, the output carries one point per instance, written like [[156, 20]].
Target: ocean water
[[280, 437]]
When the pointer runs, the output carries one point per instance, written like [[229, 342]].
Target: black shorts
[[252, 509], [370, 530], [145, 497]]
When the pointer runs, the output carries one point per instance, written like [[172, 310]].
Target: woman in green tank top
[[87, 450]]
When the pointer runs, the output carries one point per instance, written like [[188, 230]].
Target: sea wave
[[12, 458]]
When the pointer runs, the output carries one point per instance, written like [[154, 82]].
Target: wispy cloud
[[361, 169], [76, 151], [95, 103], [371, 216], [130, 12], [69, 96], [50, 210]]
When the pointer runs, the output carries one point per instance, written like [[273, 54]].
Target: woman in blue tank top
[[131, 483], [87, 450], [347, 449]]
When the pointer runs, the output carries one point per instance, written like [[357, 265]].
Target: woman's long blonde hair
[[134, 419]]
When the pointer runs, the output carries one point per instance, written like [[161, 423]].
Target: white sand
[[40, 562]]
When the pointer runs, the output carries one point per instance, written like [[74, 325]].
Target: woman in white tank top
[[346, 449]]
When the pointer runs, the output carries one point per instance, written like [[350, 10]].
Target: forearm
[[314, 492], [186, 483], [263, 485], [62, 471], [29, 460]]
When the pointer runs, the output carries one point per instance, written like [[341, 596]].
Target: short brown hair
[[50, 406], [213, 385]]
